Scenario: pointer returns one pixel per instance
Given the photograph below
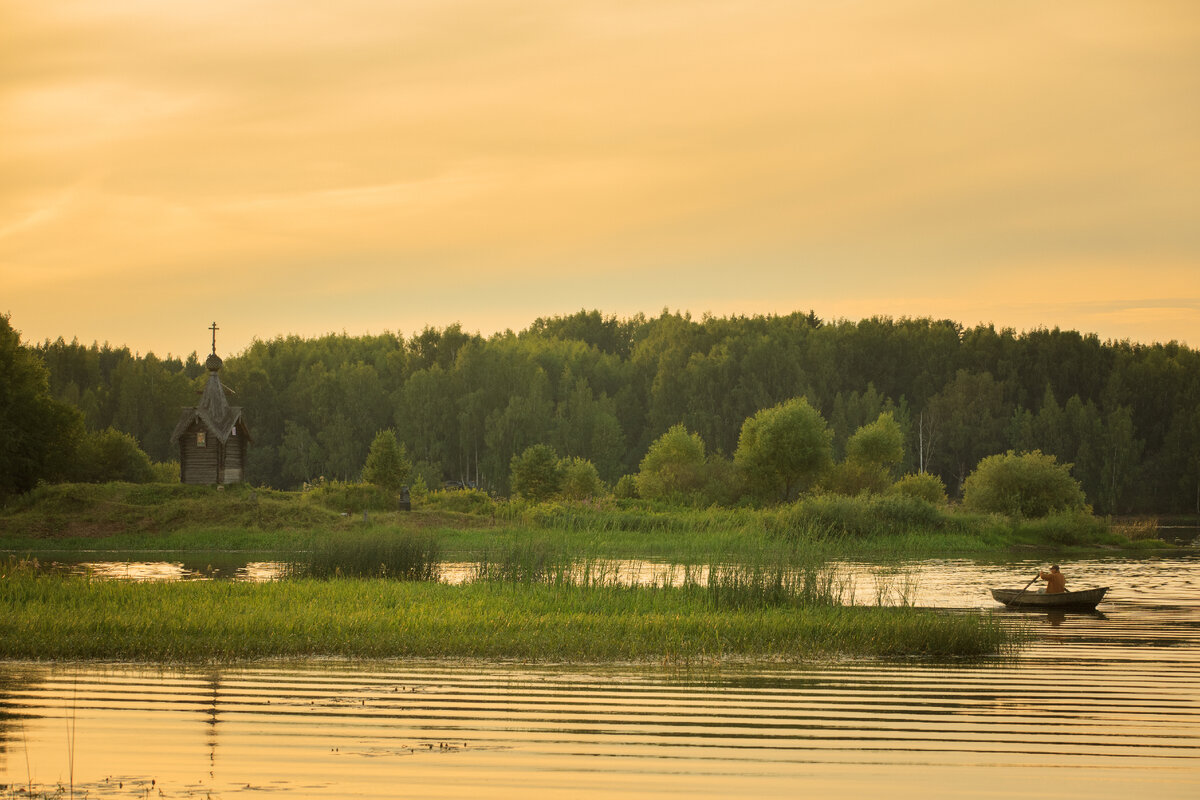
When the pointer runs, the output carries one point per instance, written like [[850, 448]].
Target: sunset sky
[[364, 166]]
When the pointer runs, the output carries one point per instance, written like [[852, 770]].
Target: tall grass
[[528, 560], [53, 617], [745, 586], [104, 510], [400, 555], [159, 516], [777, 576]]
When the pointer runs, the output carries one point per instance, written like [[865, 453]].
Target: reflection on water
[[940, 583], [173, 570], [1103, 705]]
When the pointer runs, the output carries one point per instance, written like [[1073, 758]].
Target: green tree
[[673, 467], [853, 410], [872, 455], [587, 426], [969, 417], [38, 434], [1022, 484], [387, 464], [1121, 453], [783, 449], [926, 486], [626, 487], [535, 474], [111, 455], [579, 479], [300, 453], [880, 443]]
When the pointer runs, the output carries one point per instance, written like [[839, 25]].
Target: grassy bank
[[157, 517], [74, 618]]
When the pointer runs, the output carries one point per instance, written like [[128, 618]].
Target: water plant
[[71, 617], [402, 555]]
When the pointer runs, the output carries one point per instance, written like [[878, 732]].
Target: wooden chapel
[[212, 436]]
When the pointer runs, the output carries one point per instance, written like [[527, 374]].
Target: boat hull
[[1016, 598]]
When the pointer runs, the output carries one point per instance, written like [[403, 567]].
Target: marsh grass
[[401, 555], [100, 510], [159, 516], [55, 617], [528, 560], [607, 515], [894, 586], [779, 584], [1137, 528]]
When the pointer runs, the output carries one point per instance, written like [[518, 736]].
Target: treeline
[[601, 388]]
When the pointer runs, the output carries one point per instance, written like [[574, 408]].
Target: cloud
[[867, 156]]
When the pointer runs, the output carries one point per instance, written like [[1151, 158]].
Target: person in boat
[[1056, 582]]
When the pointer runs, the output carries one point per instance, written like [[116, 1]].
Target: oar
[[1018, 597]]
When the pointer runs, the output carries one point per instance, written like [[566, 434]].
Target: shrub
[[881, 443], [853, 478], [387, 464], [165, 471], [673, 467], [535, 473], [111, 455], [926, 486], [419, 491], [723, 482], [1022, 485], [464, 501], [578, 479], [866, 515], [351, 498], [626, 488], [1067, 528]]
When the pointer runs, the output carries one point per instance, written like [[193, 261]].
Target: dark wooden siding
[[234, 459], [198, 464]]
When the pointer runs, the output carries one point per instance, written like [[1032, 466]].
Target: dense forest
[[1126, 415]]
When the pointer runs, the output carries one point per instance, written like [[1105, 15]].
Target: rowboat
[[1018, 598]]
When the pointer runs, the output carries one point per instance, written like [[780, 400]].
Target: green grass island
[[362, 577]]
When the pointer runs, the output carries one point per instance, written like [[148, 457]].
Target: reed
[[781, 583], [401, 555], [526, 560], [54, 617]]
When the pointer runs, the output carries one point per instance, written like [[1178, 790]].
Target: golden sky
[[366, 165]]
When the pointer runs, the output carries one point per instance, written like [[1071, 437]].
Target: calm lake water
[[1102, 705]]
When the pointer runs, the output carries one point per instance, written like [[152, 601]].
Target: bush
[[352, 498], [165, 471], [867, 515], [926, 486], [464, 501], [853, 478], [1022, 485], [1069, 528], [111, 455], [419, 491], [881, 443], [673, 467], [578, 479], [387, 464], [535, 473], [724, 484], [626, 488]]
